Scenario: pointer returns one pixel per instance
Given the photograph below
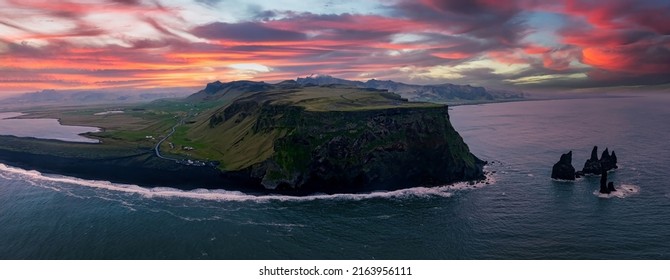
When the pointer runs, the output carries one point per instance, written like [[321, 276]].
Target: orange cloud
[[73, 44]]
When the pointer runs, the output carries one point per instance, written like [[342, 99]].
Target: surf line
[[225, 195]]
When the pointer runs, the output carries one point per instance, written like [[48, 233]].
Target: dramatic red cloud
[[452, 55], [535, 49], [608, 58], [89, 44], [621, 37]]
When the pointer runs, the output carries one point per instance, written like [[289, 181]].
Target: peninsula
[[286, 138]]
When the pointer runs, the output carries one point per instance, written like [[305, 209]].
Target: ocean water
[[521, 214]]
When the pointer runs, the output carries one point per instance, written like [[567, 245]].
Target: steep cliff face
[[388, 148], [341, 140]]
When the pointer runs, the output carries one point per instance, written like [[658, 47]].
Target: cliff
[[333, 139], [563, 169]]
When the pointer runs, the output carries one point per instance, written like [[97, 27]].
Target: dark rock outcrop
[[364, 150], [607, 161], [603, 182], [563, 169], [594, 165], [605, 187], [610, 187]]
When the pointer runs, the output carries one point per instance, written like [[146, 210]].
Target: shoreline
[[143, 168], [129, 164], [237, 195], [170, 175]]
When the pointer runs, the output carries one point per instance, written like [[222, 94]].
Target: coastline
[[140, 169], [127, 163], [143, 168]]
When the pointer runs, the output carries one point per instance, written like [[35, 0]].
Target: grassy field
[[339, 98]]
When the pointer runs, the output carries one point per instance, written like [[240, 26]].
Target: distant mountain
[[218, 90], [91, 97], [441, 93]]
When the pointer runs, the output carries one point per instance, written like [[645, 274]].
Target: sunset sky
[[527, 45]]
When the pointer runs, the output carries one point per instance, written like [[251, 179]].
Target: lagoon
[[43, 129]]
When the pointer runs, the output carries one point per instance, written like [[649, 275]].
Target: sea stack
[[607, 161], [603, 182], [605, 187], [592, 165], [563, 169], [610, 187]]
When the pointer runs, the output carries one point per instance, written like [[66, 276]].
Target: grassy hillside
[[230, 134], [301, 137]]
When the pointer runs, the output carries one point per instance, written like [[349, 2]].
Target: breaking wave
[[44, 180], [622, 191]]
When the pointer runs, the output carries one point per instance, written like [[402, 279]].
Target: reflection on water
[[43, 129]]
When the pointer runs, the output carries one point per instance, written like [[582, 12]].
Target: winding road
[[157, 148]]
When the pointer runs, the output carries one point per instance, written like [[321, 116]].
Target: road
[[157, 148]]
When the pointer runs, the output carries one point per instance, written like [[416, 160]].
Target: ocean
[[520, 214]]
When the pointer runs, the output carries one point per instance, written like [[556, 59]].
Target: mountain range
[[91, 97], [440, 93]]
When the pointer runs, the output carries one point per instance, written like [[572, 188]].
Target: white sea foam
[[622, 191], [564, 180], [225, 195]]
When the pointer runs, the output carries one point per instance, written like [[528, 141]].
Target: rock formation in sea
[[610, 187], [605, 187], [594, 165], [607, 161], [603, 182], [563, 169]]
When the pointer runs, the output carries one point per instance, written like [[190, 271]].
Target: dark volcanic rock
[[603, 182], [610, 187], [563, 169], [592, 165], [607, 161], [364, 150]]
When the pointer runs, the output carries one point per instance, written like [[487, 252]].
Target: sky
[[526, 45]]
